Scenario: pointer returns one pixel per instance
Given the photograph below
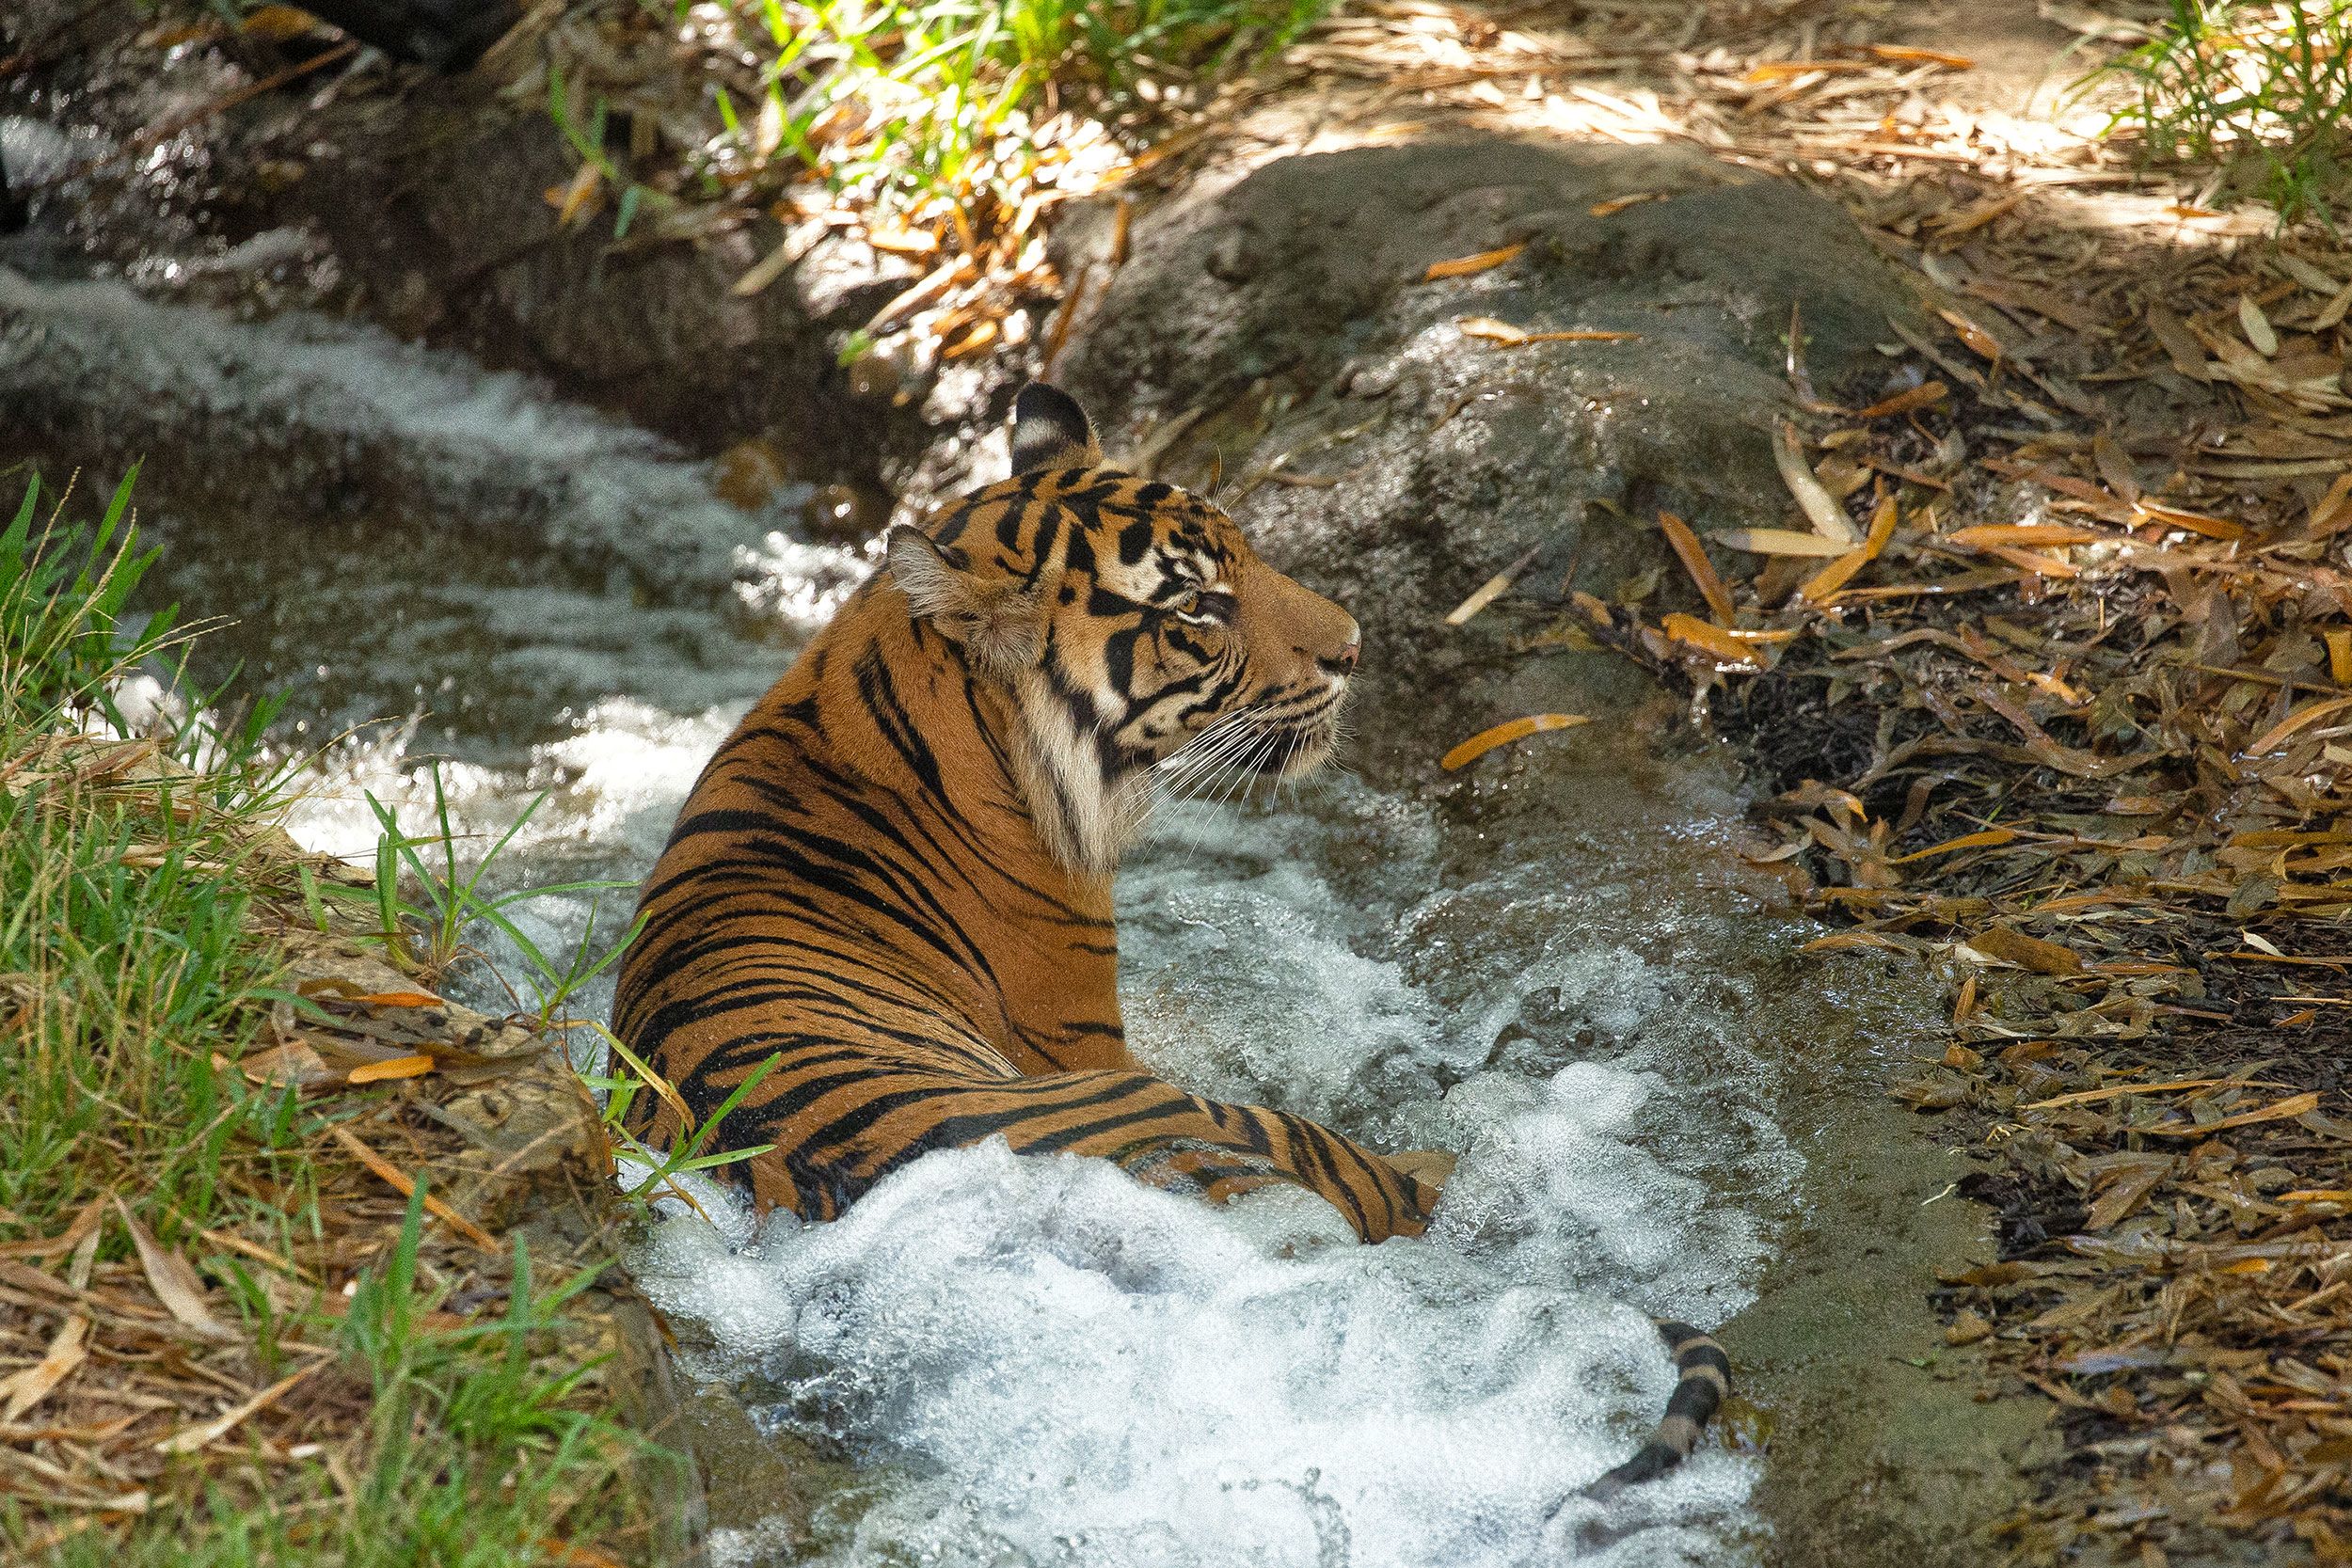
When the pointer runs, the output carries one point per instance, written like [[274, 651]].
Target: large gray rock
[[1289, 308]]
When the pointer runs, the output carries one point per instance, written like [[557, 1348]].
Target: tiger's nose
[[1343, 662]]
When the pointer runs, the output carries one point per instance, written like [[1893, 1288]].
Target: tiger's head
[[1142, 642]]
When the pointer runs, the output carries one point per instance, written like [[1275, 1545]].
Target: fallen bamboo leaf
[[1841, 940], [293, 1063], [189, 1439], [402, 1183], [1705, 635], [172, 1279], [2257, 327], [279, 24], [1618, 204], [1777, 70], [2038, 564], [2012, 946], [1464, 266], [2278, 734], [398, 1066], [1921, 396], [2126, 1194], [1692, 555], [2292, 1105], [1492, 589], [1825, 583], [1911, 53], [574, 199], [2332, 312], [24, 1389], [1506, 336], [1781, 541], [1820, 509], [1503, 734], [572, 1555], [1986, 346], [2339, 640], [2044, 534], [1985, 840], [2195, 522], [2113, 1091], [399, 999], [2179, 345]]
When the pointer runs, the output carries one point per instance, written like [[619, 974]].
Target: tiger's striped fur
[[895, 877]]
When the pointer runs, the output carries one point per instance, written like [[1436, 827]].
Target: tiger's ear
[[1050, 431], [999, 623]]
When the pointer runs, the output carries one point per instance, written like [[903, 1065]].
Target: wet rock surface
[[416, 201], [1409, 461]]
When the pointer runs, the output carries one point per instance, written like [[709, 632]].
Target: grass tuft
[[901, 100], [2258, 90], [188, 1244]]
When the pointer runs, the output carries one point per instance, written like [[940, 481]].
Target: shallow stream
[[1553, 964]]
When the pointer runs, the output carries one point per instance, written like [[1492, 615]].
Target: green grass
[[900, 101], [144, 904], [2259, 91]]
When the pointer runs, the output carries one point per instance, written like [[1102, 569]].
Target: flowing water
[[1559, 972]]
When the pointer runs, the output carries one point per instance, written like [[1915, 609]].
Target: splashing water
[[1051, 1363]]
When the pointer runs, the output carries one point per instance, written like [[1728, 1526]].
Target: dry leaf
[[2292, 1105], [1692, 555], [172, 1279], [189, 1439], [2257, 329], [1464, 266], [2043, 535], [1921, 396], [1909, 54], [1618, 204], [400, 1181], [1708, 636], [1975, 337], [2010, 947], [1492, 589], [1989, 838], [1780, 541], [1820, 509], [1506, 336], [1503, 734], [397, 1067], [27, 1389], [2310, 713], [577, 197]]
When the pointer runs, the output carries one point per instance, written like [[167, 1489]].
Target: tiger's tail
[[1699, 1392]]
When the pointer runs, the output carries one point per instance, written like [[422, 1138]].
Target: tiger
[[886, 902]]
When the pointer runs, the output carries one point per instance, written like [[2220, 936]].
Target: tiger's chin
[[1301, 754]]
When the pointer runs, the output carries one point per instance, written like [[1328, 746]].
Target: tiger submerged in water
[[895, 877]]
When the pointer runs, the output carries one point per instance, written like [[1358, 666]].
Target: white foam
[[1054, 1365]]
